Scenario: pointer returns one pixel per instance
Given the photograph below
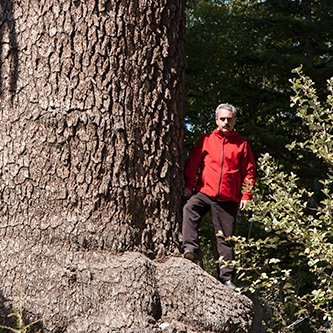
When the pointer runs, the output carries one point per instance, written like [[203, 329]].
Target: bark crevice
[[93, 291]]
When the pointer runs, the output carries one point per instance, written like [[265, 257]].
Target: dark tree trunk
[[91, 164], [91, 122]]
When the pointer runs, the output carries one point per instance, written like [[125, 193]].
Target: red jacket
[[221, 165]]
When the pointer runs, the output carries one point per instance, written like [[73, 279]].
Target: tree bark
[[91, 159], [93, 291], [91, 122]]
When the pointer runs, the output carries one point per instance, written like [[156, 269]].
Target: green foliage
[[319, 120], [288, 261], [242, 52], [20, 325]]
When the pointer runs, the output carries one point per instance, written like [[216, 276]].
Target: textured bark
[[191, 296], [91, 291], [91, 122], [91, 167]]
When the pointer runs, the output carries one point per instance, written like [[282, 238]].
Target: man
[[219, 175]]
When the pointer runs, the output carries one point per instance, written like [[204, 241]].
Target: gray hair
[[226, 106]]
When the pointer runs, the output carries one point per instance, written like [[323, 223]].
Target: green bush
[[288, 259]]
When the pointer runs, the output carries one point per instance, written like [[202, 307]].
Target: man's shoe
[[189, 255], [192, 256], [229, 285]]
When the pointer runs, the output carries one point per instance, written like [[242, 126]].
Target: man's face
[[225, 120]]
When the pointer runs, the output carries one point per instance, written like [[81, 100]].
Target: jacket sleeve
[[248, 172], [193, 164]]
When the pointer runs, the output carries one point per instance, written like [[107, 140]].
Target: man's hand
[[243, 204], [187, 193]]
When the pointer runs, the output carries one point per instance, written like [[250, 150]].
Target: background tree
[[243, 52], [91, 157]]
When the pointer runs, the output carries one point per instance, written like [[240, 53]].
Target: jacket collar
[[225, 134]]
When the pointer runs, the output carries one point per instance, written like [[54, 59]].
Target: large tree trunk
[[91, 122], [91, 167], [92, 291]]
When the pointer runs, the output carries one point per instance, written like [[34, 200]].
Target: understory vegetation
[[286, 262], [244, 53]]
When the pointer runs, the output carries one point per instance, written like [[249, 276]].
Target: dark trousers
[[223, 219]]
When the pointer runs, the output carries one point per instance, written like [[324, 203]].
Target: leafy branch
[[21, 326]]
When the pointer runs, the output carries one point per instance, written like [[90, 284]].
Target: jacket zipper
[[221, 173]]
